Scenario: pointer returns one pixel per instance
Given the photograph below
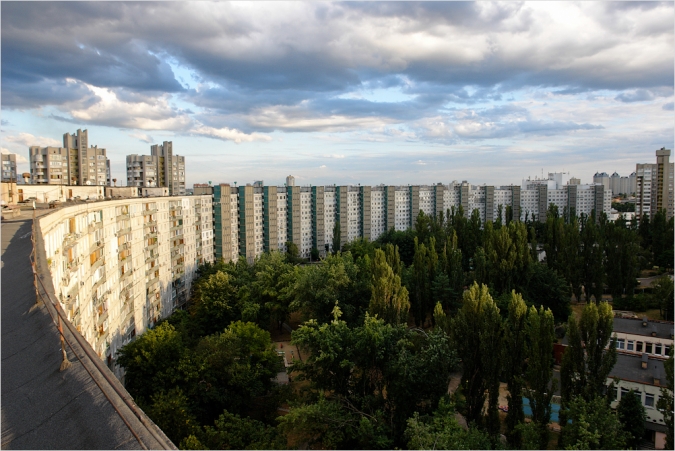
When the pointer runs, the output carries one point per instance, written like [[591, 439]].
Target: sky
[[346, 92]]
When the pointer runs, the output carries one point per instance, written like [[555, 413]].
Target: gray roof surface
[[629, 367], [43, 407], [634, 326]]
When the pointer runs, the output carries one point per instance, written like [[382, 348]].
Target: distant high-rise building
[[49, 166], [615, 184], [654, 186], [603, 179], [9, 167], [72, 164], [159, 169], [86, 165]]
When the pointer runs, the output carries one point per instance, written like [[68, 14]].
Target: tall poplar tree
[[336, 237], [541, 336], [514, 365], [389, 300], [588, 358], [476, 334]]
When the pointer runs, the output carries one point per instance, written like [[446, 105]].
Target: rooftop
[[636, 326], [629, 367]]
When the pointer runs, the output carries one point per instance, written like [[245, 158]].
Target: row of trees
[[386, 322]]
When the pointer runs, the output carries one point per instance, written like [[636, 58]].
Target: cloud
[[227, 134], [668, 106], [333, 156], [638, 95], [109, 109], [420, 163], [142, 137], [306, 67], [19, 158], [323, 166], [27, 140]]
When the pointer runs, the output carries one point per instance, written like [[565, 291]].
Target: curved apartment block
[[120, 266]]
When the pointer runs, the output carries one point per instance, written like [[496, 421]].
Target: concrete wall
[[48, 193], [119, 266]]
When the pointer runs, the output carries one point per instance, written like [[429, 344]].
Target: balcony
[[98, 263], [95, 245], [123, 231], [70, 240], [94, 226], [74, 264]]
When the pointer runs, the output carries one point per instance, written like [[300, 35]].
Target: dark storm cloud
[[77, 40], [250, 61], [37, 93]]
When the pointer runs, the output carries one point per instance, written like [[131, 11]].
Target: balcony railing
[[123, 231]]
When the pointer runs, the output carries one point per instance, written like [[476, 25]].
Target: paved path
[[42, 407]]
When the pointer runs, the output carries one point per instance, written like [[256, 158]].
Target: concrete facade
[[654, 186], [162, 168], [119, 266], [9, 167], [307, 215], [75, 163]]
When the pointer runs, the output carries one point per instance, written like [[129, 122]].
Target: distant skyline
[[346, 93]]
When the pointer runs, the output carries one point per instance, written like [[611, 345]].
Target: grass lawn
[[651, 314]]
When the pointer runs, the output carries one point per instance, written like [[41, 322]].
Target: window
[[631, 345], [648, 348], [624, 391], [649, 400], [657, 349], [621, 344], [638, 347]]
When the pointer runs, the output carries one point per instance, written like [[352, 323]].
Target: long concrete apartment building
[[119, 266], [252, 219]]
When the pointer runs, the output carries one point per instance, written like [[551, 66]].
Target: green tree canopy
[[593, 426], [389, 300], [476, 332], [442, 431], [364, 380], [632, 416]]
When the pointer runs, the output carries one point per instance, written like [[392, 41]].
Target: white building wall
[[557, 197], [377, 214], [111, 265], [282, 218], [529, 203], [402, 208], [258, 224], [353, 214], [329, 211], [427, 200], [476, 201], [305, 224], [503, 197], [234, 215]]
